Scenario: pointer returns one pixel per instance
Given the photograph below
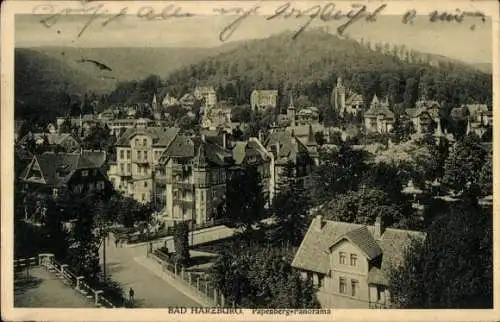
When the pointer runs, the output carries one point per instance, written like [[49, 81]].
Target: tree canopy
[[453, 267]]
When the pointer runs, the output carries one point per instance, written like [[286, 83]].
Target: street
[[151, 291]]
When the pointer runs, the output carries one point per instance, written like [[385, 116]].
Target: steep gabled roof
[[194, 147], [313, 253], [58, 168], [161, 136], [364, 240], [290, 146]]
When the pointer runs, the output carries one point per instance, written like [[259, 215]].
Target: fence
[[196, 281], [133, 238], [74, 281], [23, 265]]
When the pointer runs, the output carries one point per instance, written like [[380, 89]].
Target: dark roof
[[189, 147], [290, 146], [416, 112], [313, 253], [96, 157], [377, 108], [162, 136], [362, 238], [244, 149], [58, 168]]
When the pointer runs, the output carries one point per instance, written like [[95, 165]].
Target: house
[[479, 114], [216, 117], [379, 118], [138, 152], [187, 100], [206, 94], [345, 100], [349, 264], [286, 148], [252, 153], [424, 119], [169, 101], [307, 115], [195, 172], [61, 142], [263, 99], [479, 118], [54, 173]]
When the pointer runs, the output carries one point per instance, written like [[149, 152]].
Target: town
[[197, 194]]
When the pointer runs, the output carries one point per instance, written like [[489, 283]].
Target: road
[[45, 289], [151, 291]]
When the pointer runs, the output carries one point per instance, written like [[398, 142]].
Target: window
[[139, 155], [143, 197], [136, 141], [342, 285], [122, 154], [85, 173], [128, 154], [145, 184], [342, 258], [354, 287], [128, 168], [100, 185], [122, 168], [146, 155], [54, 193], [354, 259], [144, 142]]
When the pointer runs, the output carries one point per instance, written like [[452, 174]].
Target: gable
[[32, 169]]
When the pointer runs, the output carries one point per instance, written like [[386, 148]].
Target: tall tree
[[181, 243], [453, 267], [485, 180], [291, 208], [261, 277], [245, 200], [464, 163]]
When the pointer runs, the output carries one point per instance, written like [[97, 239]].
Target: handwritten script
[[98, 14]]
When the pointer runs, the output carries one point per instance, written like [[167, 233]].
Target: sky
[[454, 40]]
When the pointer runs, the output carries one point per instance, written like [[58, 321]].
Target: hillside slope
[[134, 63], [43, 85], [311, 64]]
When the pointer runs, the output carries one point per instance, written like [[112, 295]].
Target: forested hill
[[44, 85], [311, 63]]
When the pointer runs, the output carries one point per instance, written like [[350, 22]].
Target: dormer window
[[342, 258]]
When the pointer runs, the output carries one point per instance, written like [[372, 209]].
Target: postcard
[[249, 160]]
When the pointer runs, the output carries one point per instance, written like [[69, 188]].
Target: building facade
[[349, 264], [206, 94], [138, 151], [195, 172], [344, 100], [54, 173], [263, 99], [379, 118]]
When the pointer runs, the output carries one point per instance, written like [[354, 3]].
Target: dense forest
[[310, 65], [307, 67]]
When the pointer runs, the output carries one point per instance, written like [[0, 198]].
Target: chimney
[[319, 222], [224, 140], [379, 227]]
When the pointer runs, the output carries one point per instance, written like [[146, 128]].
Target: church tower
[[290, 111], [339, 96], [155, 108]]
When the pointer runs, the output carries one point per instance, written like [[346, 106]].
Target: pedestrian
[[131, 295]]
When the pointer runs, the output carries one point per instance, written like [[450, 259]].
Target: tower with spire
[[155, 108], [290, 111], [338, 96]]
